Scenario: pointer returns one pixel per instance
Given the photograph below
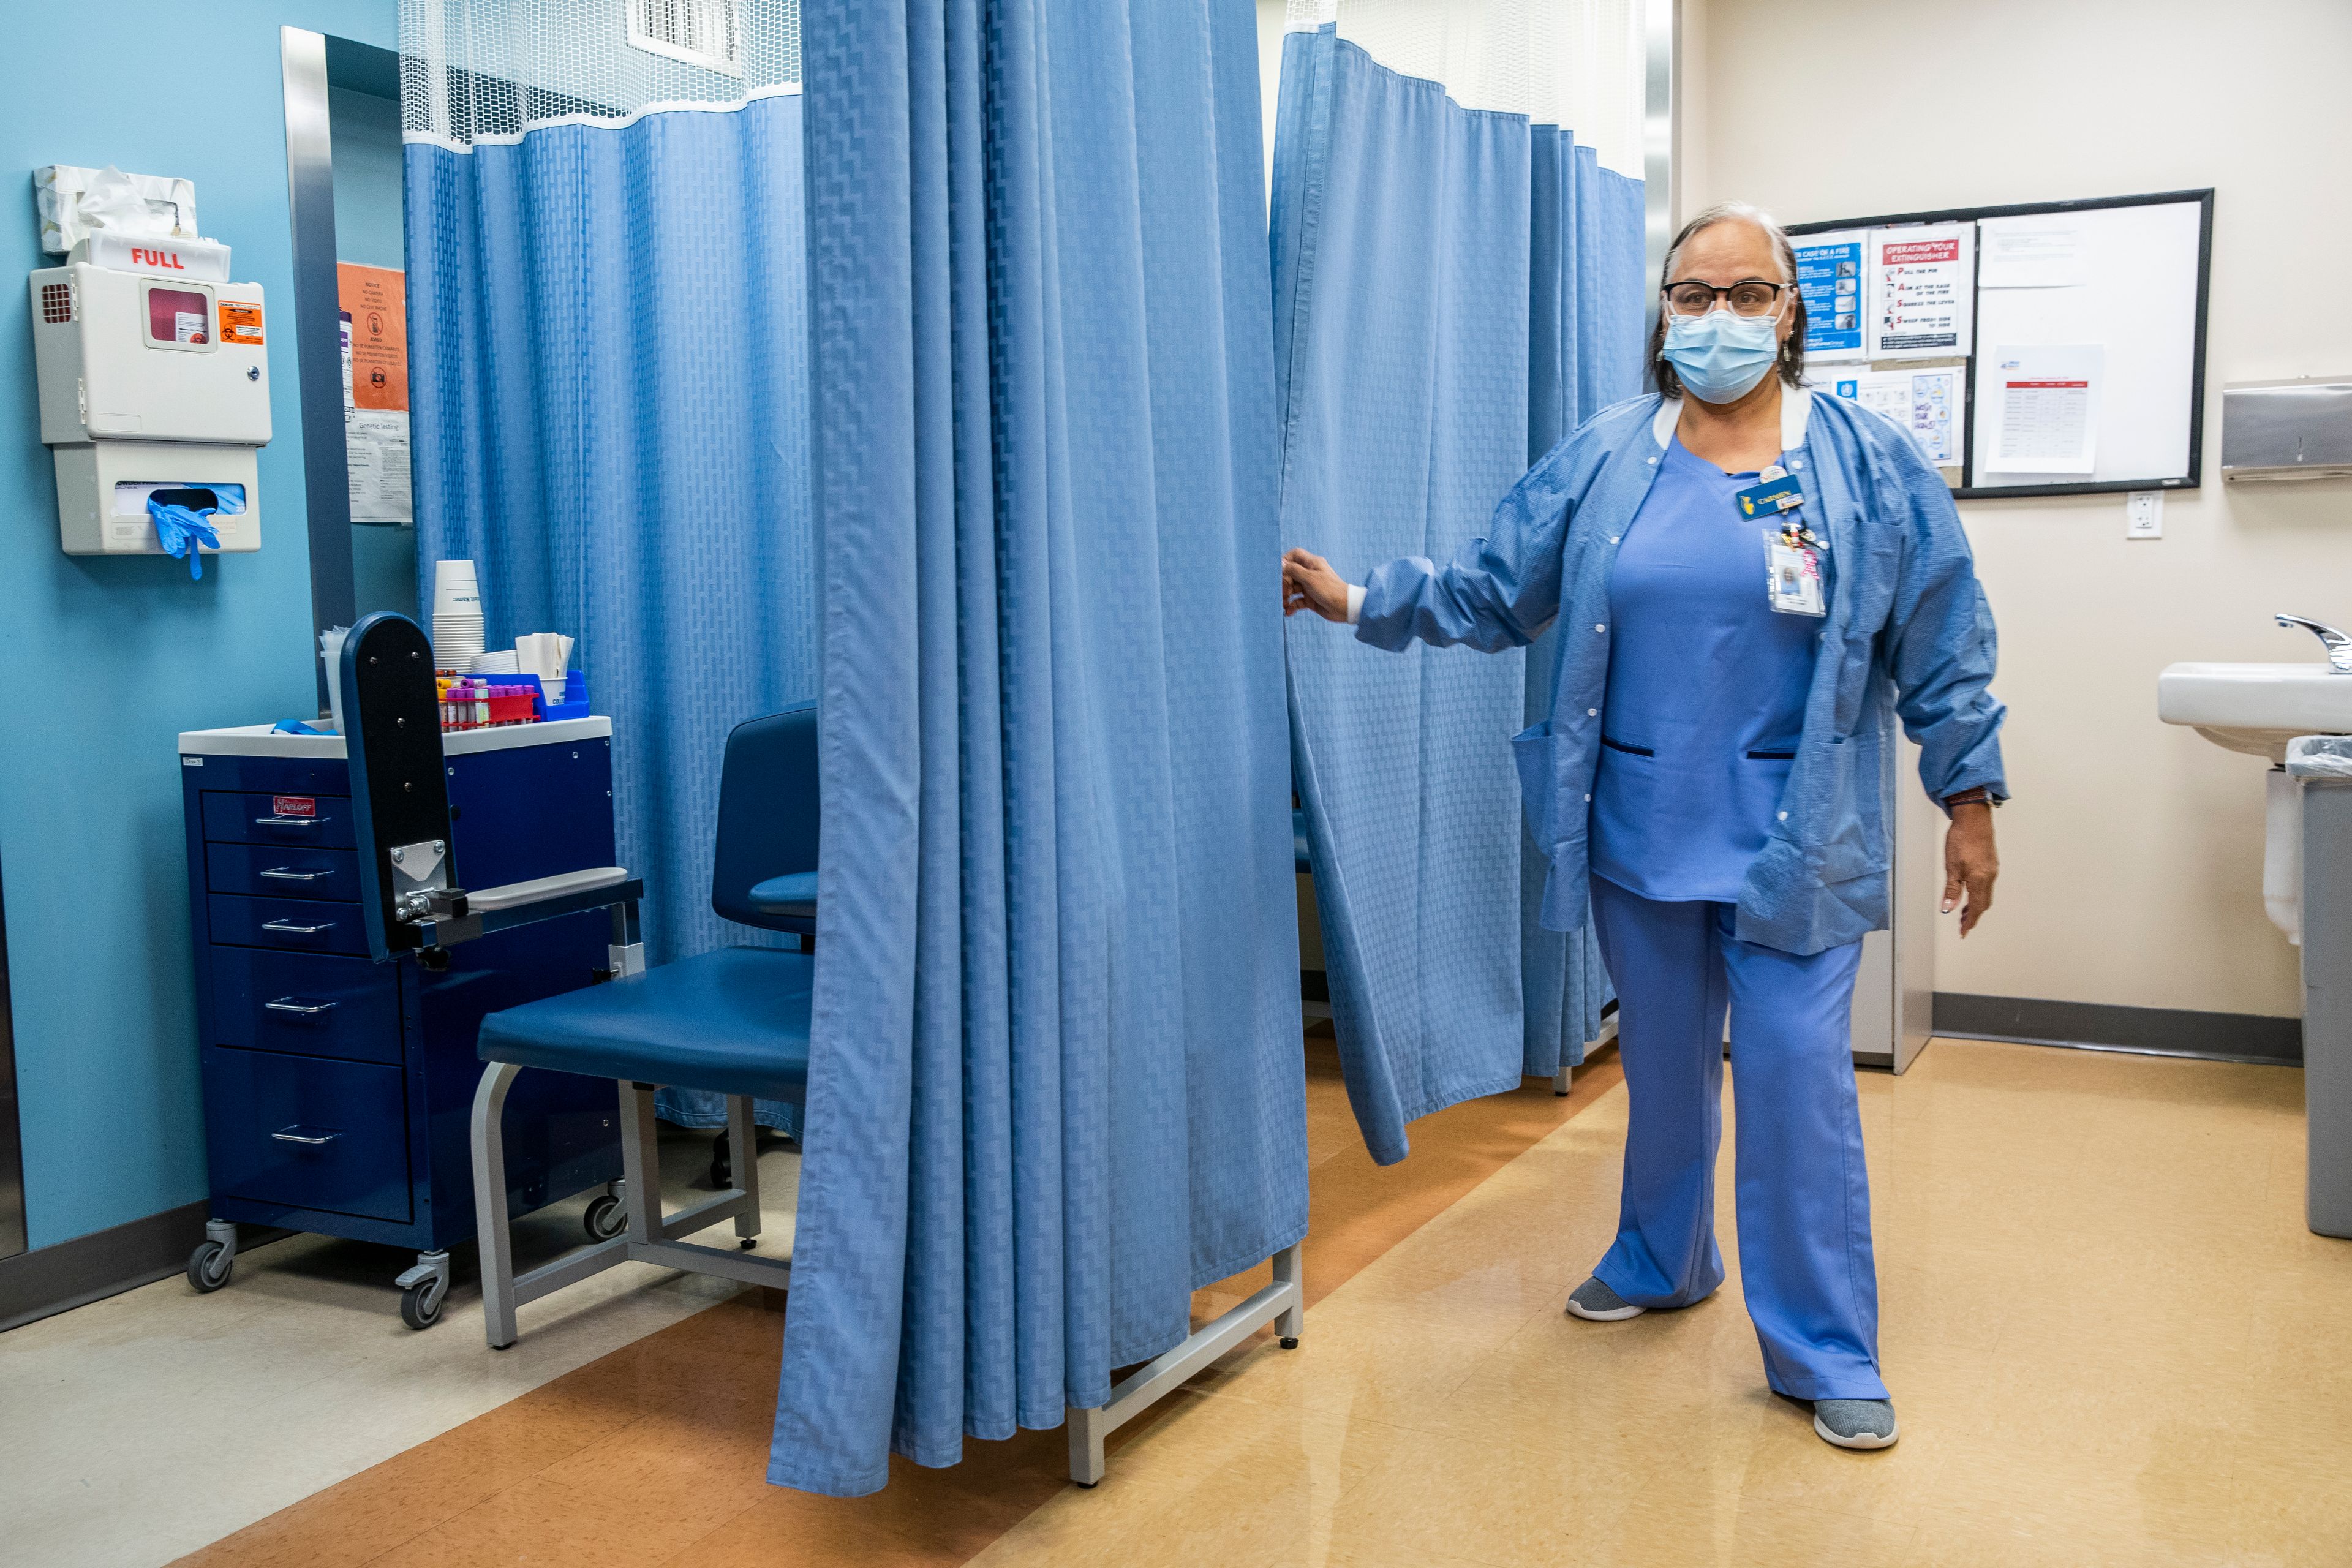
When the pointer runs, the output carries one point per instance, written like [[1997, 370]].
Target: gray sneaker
[[1855, 1423], [1595, 1303]]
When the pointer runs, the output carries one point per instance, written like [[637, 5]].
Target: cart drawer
[[321, 820], [311, 1004], [296, 923], [293, 872], [308, 1132]]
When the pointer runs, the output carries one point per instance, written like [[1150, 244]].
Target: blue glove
[[180, 531]]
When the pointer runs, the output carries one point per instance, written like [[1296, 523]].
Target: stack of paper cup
[[499, 663], [458, 632], [545, 655]]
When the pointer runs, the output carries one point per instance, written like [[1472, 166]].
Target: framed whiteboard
[[2084, 365]]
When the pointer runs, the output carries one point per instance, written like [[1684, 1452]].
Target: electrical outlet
[[2144, 514]]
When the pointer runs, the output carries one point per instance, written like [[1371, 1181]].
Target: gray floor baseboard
[[2105, 1026], [57, 1278]]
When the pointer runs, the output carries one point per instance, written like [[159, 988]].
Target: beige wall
[[2132, 859]]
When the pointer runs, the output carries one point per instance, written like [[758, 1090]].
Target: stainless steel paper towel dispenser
[[2287, 429]]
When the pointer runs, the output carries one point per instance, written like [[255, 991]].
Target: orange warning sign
[[376, 301], [240, 322]]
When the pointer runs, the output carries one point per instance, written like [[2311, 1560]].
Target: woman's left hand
[[1309, 584], [1970, 863]]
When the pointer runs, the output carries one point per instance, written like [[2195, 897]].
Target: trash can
[[2322, 766]]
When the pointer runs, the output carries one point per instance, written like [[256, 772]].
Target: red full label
[[294, 805]]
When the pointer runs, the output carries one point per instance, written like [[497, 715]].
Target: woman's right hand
[[1309, 584]]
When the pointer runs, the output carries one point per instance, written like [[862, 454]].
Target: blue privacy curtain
[[1056, 1080], [1585, 341], [1455, 289], [608, 331]]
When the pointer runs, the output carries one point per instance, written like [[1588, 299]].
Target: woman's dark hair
[[1791, 366]]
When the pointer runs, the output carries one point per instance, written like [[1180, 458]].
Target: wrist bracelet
[[1976, 796]]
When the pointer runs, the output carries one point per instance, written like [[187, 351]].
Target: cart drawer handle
[[288, 821], [287, 1135], [289, 928], [288, 874], [288, 1005]]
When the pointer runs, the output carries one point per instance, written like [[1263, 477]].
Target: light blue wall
[[365, 129], [108, 660]]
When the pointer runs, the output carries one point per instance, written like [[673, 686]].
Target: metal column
[[2328, 1003], [318, 335]]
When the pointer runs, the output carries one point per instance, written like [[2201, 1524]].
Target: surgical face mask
[[1719, 356]]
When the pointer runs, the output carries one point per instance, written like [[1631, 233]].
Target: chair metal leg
[[493, 1235], [743, 1134], [641, 1160]]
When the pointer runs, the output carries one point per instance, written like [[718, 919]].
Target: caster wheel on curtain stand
[[1289, 1343]]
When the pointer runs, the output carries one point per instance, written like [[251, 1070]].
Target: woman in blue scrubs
[[1751, 583]]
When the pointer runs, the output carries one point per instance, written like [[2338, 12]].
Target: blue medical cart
[[337, 1088]]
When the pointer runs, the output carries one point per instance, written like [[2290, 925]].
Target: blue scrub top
[[1707, 692]]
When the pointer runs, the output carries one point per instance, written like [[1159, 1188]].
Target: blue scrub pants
[[1805, 1260]]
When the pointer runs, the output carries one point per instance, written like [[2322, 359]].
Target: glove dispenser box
[[149, 381]]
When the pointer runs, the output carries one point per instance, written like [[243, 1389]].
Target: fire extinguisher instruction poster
[[1922, 292], [375, 302]]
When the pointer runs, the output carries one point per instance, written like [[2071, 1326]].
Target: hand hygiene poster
[[1924, 402], [1829, 278], [1922, 292], [374, 302]]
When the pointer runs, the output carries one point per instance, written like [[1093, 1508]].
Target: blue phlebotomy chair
[[735, 1021]]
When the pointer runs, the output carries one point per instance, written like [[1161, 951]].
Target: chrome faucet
[[2339, 646]]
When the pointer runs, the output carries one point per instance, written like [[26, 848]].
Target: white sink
[[2258, 709], [2255, 708]]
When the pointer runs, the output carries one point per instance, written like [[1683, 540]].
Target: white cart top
[[258, 741]]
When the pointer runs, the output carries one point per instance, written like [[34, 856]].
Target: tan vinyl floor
[[2110, 1338]]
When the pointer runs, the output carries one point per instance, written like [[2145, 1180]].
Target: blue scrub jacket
[[1908, 631]]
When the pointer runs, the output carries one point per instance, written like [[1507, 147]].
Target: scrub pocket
[[1763, 775], [1536, 751]]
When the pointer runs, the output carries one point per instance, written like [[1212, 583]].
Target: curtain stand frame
[[1282, 1303]]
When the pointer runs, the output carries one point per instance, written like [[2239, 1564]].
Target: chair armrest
[[514, 895], [542, 899]]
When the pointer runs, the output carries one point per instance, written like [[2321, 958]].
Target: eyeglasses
[[1748, 297]]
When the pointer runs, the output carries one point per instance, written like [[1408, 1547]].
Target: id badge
[[1792, 576], [1776, 492]]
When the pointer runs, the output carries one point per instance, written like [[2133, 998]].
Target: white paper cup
[[499, 663], [454, 589]]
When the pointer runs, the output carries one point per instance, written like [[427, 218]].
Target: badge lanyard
[[1793, 552]]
